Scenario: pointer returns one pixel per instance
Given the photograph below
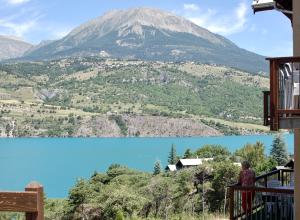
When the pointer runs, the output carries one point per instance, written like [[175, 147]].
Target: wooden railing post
[[38, 188], [266, 181], [231, 203]]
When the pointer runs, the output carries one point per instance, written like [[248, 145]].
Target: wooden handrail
[[263, 189], [263, 176], [31, 202], [272, 173]]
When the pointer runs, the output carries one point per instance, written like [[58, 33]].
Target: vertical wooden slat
[[271, 95], [266, 181], [39, 215], [276, 93], [231, 203]]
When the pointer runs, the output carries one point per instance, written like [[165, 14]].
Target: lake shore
[[48, 160]]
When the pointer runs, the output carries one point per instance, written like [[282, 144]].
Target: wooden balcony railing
[[282, 103], [31, 202], [264, 201]]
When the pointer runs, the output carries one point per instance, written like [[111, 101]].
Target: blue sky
[[266, 33]]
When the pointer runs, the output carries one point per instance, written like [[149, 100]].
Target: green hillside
[[81, 89]]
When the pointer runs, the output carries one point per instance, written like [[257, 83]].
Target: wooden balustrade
[[262, 194], [277, 114], [31, 202]]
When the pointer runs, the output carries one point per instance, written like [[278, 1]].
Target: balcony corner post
[[38, 188]]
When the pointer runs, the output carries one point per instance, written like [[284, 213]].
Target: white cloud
[[21, 23], [216, 22], [17, 2], [191, 7], [17, 29]]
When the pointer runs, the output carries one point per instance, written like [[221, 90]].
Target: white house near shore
[[171, 168], [185, 163]]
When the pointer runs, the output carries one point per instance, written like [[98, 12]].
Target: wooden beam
[[281, 60], [18, 201], [39, 190]]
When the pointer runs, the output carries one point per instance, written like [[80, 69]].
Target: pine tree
[[279, 150], [8, 129], [157, 168], [188, 154], [173, 155]]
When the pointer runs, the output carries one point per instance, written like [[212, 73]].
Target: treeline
[[124, 193]]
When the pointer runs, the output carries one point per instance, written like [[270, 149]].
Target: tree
[[160, 191], [217, 152], [188, 154], [265, 166], [8, 129], [224, 173], [157, 168], [119, 215], [173, 155], [253, 153], [279, 150]]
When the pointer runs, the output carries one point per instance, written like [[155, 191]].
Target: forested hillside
[[98, 97]]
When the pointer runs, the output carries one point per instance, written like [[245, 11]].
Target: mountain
[[149, 34], [11, 47]]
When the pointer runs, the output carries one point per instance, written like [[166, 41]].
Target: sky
[[266, 33]]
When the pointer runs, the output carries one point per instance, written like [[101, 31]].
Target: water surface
[[58, 162]]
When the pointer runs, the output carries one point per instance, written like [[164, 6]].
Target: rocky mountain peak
[[136, 18]]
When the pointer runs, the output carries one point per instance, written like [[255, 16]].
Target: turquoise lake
[[58, 162]]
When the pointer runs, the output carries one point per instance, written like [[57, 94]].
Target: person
[[247, 179]]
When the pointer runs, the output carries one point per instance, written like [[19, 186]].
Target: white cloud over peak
[[225, 24], [191, 7]]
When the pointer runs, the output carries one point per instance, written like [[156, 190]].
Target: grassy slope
[[90, 87]]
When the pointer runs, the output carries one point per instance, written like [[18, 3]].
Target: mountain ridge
[[12, 47], [149, 34]]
